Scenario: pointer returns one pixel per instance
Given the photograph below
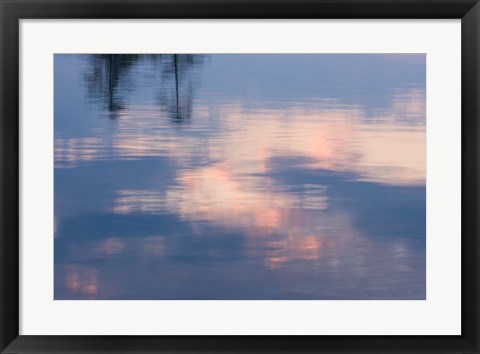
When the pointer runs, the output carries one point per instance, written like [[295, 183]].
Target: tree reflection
[[106, 80], [179, 80], [110, 80]]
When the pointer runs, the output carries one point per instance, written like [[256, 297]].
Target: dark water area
[[268, 176]]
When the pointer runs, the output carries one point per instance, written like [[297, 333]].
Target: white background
[[439, 314]]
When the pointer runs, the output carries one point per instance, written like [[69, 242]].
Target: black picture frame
[[12, 11]]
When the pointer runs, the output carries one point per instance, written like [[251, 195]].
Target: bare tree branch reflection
[[179, 79], [107, 78], [174, 77]]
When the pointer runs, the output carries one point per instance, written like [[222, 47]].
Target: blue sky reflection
[[240, 176]]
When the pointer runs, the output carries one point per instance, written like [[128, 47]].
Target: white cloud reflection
[[384, 147], [225, 158]]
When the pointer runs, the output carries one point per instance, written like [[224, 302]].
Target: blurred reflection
[[110, 79], [296, 177], [105, 80], [83, 282], [388, 151], [179, 79]]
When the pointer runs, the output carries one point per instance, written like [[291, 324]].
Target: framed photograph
[[236, 176]]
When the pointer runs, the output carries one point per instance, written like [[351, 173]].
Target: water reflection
[[240, 177], [179, 72], [111, 78]]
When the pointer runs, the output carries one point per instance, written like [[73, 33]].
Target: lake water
[[242, 176]]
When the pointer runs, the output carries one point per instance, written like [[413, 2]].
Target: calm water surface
[[240, 176]]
